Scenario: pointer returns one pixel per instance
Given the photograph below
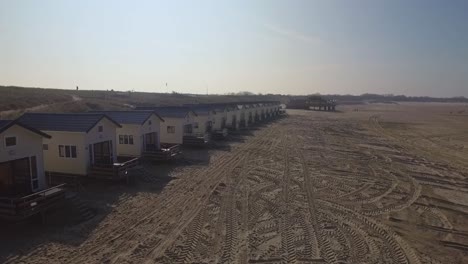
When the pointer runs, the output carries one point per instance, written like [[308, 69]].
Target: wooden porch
[[220, 134], [196, 139], [19, 208], [166, 152], [115, 171]]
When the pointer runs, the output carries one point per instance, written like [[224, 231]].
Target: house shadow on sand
[[82, 213], [96, 200]]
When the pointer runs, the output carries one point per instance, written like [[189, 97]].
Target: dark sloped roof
[[130, 117], [201, 109], [70, 122], [5, 124], [217, 107], [168, 111]]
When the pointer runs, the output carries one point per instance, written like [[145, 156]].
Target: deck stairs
[[83, 212]]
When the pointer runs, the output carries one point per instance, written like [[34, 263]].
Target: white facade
[[172, 130], [28, 145], [255, 113], [85, 156], [136, 146], [231, 116], [218, 119], [240, 115], [249, 115], [201, 122]]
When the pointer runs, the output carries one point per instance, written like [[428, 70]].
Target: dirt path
[[37, 108], [307, 189]]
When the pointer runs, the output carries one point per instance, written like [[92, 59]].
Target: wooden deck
[[196, 139], [220, 134], [19, 208], [116, 171], [166, 152]]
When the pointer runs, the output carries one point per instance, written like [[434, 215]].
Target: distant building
[[312, 103], [178, 121], [140, 132]]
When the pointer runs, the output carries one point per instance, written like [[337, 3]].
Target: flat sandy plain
[[379, 183]]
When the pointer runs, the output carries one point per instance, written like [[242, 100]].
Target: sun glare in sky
[[291, 47]]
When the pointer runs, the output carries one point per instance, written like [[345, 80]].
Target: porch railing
[[25, 206], [166, 152], [198, 135], [113, 171]]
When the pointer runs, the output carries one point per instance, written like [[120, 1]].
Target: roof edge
[[99, 120], [18, 123]]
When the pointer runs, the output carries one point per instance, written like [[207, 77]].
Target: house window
[[62, 151], [171, 129], [34, 178], [66, 151], [195, 125], [149, 122], [45, 147], [10, 141], [100, 129], [73, 151], [188, 129], [125, 139]]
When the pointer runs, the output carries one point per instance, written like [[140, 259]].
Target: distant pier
[[316, 103]]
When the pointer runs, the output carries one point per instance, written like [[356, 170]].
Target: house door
[[6, 177], [15, 177], [34, 174], [234, 122], [187, 129], [209, 126], [103, 153], [223, 123], [151, 141]]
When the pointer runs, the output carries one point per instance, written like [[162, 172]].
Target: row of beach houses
[[42, 151]]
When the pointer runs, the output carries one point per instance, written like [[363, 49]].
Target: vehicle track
[[331, 192]]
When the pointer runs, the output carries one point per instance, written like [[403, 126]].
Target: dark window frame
[[61, 151], [171, 129], [11, 144], [68, 151]]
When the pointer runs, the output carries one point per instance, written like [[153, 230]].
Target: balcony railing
[[113, 171], [196, 139], [17, 208], [197, 135], [166, 152]]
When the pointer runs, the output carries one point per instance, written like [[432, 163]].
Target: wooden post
[[43, 217]]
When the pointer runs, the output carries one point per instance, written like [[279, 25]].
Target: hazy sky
[[413, 47]]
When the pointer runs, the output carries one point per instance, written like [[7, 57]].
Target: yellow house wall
[[109, 133], [126, 149], [28, 144], [177, 137], [52, 160]]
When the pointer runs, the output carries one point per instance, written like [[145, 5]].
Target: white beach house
[[24, 190], [82, 144]]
